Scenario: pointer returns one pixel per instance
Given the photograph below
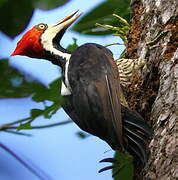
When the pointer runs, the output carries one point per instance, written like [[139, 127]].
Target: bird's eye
[[42, 26]]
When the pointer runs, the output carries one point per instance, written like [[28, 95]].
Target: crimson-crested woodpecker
[[90, 81]]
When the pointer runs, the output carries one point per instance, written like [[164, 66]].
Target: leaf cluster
[[16, 14], [102, 14]]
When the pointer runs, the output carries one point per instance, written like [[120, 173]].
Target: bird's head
[[44, 39]]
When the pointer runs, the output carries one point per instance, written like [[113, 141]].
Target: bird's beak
[[67, 21]]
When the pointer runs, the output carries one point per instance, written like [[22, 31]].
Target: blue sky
[[57, 151]]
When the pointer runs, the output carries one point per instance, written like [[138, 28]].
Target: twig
[[30, 168], [16, 132], [157, 38], [111, 44], [52, 125], [9, 125], [37, 127], [122, 20], [19, 121]]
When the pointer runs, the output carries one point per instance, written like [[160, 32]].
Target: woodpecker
[[91, 85]]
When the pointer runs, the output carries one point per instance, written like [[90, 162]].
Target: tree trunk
[[154, 37]]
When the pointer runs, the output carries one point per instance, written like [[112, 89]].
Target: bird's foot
[[122, 165], [115, 163]]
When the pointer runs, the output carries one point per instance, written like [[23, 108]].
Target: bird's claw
[[115, 163], [105, 169], [111, 160]]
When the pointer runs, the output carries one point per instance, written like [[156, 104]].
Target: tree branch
[[16, 132], [41, 175], [7, 127]]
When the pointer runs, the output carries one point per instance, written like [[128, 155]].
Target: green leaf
[[73, 46], [15, 15], [15, 84], [124, 169], [51, 93], [26, 125], [102, 14], [47, 112], [54, 90], [48, 4], [82, 135], [36, 113], [41, 94], [2, 2]]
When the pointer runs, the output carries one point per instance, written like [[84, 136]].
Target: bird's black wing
[[94, 80]]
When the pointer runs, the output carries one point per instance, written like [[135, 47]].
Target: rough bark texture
[[154, 93]]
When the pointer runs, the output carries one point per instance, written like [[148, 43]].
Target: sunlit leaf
[[14, 84], [102, 14], [123, 168]]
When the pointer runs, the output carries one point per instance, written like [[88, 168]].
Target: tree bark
[[154, 92]]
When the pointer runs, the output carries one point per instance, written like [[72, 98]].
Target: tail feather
[[137, 140], [141, 148], [134, 151], [137, 133], [144, 128], [134, 120]]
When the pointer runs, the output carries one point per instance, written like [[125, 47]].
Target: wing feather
[[96, 93], [95, 102], [115, 106]]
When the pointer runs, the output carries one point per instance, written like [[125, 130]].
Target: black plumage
[[94, 104]]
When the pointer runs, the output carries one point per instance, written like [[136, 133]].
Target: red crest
[[29, 44]]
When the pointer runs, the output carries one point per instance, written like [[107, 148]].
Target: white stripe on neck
[[48, 46], [66, 74], [46, 41], [66, 88]]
